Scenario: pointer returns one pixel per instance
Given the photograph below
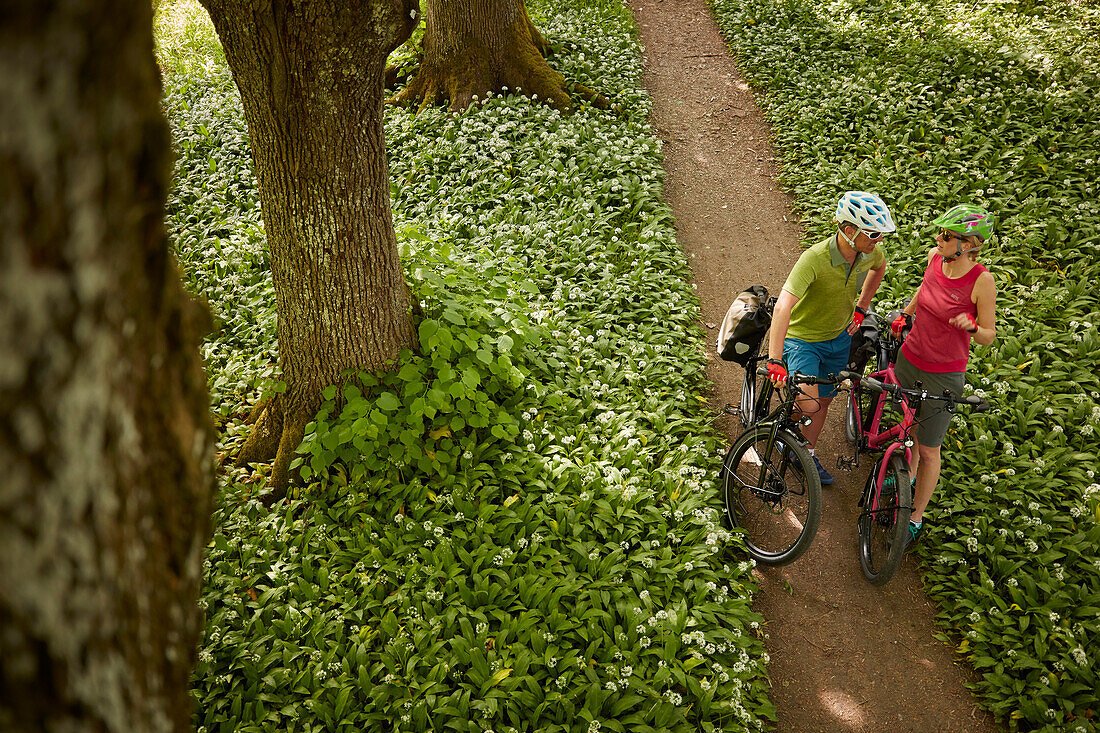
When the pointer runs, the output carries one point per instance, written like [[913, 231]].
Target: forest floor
[[845, 656]]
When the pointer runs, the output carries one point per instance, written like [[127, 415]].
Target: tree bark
[[311, 79], [473, 47], [106, 446]]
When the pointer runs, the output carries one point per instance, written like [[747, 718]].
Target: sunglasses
[[873, 236], [947, 235]]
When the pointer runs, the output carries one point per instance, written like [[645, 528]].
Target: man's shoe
[[826, 477]]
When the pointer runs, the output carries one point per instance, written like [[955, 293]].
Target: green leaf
[[342, 702], [389, 624], [498, 677], [388, 401]]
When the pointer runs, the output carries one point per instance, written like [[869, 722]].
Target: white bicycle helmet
[[866, 211]]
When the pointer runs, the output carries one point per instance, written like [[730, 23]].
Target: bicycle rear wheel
[[884, 521], [752, 389], [777, 501]]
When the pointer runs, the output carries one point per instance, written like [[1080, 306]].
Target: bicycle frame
[[778, 419], [894, 438]]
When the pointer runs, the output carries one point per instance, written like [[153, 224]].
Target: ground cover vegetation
[[518, 527], [931, 104]]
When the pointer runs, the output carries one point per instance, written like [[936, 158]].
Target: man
[[817, 312]]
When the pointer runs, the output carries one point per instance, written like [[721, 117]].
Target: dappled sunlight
[[845, 709], [795, 523]]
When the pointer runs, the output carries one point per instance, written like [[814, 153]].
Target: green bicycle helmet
[[969, 221]]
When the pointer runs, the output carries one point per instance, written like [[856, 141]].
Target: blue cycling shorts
[[818, 358]]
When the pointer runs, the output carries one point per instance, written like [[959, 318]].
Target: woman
[[954, 304]]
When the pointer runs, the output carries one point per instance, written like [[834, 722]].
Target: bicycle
[[769, 481], [887, 501]]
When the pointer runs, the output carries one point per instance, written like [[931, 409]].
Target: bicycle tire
[[853, 417], [777, 503], [882, 533], [747, 409]]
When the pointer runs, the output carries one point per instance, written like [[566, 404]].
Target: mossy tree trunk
[[472, 47], [106, 446], [311, 80]]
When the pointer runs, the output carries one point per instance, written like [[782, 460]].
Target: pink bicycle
[[881, 417]]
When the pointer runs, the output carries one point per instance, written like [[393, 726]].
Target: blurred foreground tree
[[473, 47], [105, 440], [311, 80]]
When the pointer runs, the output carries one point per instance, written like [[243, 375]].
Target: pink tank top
[[934, 345]]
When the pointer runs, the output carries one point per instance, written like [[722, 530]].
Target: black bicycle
[[769, 481]]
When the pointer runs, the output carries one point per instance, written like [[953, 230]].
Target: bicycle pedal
[[847, 464], [732, 409]]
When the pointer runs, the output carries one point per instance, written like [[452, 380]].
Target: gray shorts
[[933, 418]]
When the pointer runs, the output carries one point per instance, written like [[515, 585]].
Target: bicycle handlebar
[[800, 378], [896, 391]]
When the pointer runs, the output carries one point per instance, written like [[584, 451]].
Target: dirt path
[[846, 656]]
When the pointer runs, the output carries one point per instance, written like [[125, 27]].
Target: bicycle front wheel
[[853, 417], [884, 521], [773, 493]]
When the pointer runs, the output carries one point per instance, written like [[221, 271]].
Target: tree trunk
[[311, 80], [473, 47], [106, 446]]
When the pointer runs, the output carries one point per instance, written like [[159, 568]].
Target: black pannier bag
[[891, 346], [865, 344], [874, 340], [745, 325]]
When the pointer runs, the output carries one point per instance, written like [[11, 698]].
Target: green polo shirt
[[826, 289]]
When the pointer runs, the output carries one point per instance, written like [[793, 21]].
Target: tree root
[[294, 429], [266, 417], [429, 89], [273, 437], [589, 95]]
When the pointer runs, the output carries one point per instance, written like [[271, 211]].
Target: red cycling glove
[[776, 371], [858, 316], [899, 325], [973, 324]]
